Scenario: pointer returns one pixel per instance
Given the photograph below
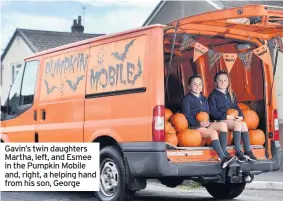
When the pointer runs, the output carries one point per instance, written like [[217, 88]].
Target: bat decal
[[139, 72], [230, 60], [49, 90], [124, 54], [261, 53], [74, 86]]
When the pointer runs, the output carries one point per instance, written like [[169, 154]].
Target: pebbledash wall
[[279, 86]]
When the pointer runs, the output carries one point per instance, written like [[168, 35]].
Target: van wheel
[[113, 185], [225, 191]]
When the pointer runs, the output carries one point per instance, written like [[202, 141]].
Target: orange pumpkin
[[202, 116], [168, 114], [257, 137], [232, 112], [243, 106], [179, 121], [167, 126], [171, 130], [251, 118], [189, 138], [171, 139]]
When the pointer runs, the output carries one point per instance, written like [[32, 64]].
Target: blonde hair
[[229, 88]]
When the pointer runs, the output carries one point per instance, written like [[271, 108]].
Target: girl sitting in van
[[193, 103], [220, 100]]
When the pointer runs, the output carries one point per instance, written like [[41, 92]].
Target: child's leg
[[222, 128], [205, 133], [246, 139], [245, 136], [236, 127]]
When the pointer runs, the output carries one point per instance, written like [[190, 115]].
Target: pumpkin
[[167, 126], [171, 139], [179, 121], [202, 116], [189, 138], [232, 112], [257, 137], [243, 106], [171, 130], [168, 114], [251, 118]]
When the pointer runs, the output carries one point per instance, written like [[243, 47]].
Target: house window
[[15, 70]]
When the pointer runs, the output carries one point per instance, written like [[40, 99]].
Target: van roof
[[257, 21], [87, 41]]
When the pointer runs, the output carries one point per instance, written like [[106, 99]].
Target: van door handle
[[35, 115], [43, 114]]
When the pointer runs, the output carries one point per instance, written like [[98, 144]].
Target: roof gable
[[40, 40]]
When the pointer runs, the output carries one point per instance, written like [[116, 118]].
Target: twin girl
[[216, 105]]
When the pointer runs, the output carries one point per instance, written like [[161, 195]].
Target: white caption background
[[29, 167]]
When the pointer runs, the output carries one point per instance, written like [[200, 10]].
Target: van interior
[[247, 84]]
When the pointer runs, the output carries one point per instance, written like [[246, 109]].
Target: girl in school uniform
[[193, 103], [220, 100]]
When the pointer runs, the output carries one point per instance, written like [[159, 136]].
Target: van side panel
[[62, 94], [117, 90], [156, 76]]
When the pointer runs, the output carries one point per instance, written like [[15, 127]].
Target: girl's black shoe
[[241, 157], [226, 161], [250, 156]]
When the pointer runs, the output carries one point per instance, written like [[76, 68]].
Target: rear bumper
[[149, 160]]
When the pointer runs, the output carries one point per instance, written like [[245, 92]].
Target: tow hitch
[[236, 175]]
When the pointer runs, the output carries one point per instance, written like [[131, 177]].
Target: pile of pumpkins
[[178, 133], [257, 136]]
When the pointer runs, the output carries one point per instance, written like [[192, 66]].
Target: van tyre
[[113, 185], [225, 191]]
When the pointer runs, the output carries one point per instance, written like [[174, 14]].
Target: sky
[[99, 16]]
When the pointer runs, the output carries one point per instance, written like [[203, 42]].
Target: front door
[[19, 113]]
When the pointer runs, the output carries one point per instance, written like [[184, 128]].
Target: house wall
[[16, 54], [173, 10], [279, 86]]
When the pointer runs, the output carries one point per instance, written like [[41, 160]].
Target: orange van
[[119, 90]]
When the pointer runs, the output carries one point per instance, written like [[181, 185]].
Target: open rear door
[[250, 22]]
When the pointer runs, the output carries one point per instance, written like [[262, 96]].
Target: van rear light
[[158, 124], [276, 126]]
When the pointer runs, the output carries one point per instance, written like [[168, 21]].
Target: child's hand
[[205, 124]]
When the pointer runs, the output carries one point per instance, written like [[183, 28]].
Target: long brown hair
[[229, 88]]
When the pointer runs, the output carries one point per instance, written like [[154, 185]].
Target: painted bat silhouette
[[49, 90], [262, 53], [124, 54], [74, 86], [229, 60]]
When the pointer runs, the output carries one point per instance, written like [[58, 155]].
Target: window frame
[[14, 67], [24, 107]]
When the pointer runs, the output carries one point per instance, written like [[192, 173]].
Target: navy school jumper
[[219, 103], [191, 105]]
